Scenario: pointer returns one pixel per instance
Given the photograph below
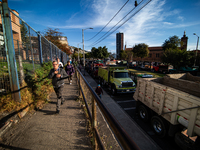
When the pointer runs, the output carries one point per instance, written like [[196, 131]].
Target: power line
[[109, 21], [101, 39], [115, 25]]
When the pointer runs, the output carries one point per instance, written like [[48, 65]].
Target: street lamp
[[83, 47], [196, 47]]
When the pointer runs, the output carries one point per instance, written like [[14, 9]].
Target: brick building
[[156, 53]]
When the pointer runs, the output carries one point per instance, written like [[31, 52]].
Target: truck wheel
[[113, 90], [144, 113], [158, 126]]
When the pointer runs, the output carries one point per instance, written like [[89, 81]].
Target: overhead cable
[[103, 38], [109, 21]]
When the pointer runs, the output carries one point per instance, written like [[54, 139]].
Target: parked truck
[[117, 79], [172, 105]]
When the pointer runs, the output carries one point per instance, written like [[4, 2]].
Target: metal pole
[[40, 48], [83, 51], [94, 123], [31, 48], [78, 53], [10, 51], [50, 51], [196, 49]]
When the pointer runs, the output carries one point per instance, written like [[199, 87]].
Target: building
[[119, 43], [63, 40], [156, 53]]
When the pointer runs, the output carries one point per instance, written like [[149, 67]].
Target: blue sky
[[155, 23]]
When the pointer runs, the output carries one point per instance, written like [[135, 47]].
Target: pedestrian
[[57, 74], [60, 64], [69, 70], [99, 90]]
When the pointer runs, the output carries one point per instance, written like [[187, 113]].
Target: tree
[[101, 52], [123, 55], [75, 55], [174, 55], [173, 43], [177, 57], [26, 43], [53, 35], [141, 50]]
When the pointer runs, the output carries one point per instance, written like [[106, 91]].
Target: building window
[[150, 55], [157, 55]]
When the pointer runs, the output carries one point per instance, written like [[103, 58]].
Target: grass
[[155, 75]]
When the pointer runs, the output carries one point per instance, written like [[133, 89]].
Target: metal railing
[[91, 101], [21, 48]]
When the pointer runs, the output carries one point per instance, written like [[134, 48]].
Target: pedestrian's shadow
[[52, 102], [47, 112]]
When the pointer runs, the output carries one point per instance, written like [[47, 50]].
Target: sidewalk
[[45, 130]]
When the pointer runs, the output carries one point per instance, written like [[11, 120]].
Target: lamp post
[[83, 47], [196, 48]]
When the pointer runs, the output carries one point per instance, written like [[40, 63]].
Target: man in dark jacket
[[99, 90], [57, 75]]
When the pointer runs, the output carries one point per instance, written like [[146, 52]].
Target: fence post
[[31, 48], [40, 48], [10, 51], [51, 52], [21, 70], [94, 123]]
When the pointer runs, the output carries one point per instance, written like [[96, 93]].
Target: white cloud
[[181, 18]]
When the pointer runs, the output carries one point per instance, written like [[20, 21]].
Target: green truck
[[117, 79]]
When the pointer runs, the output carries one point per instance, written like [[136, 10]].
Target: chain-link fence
[[31, 49]]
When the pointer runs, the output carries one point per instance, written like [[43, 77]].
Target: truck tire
[[113, 90], [144, 113], [159, 126]]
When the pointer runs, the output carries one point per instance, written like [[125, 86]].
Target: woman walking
[[69, 70]]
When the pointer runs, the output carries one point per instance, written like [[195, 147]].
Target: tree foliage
[[178, 58], [53, 35], [141, 50], [100, 52], [24, 34], [174, 55], [123, 55], [173, 42]]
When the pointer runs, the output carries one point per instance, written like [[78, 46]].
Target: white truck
[[172, 104]]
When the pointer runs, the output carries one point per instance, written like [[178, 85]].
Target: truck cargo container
[[172, 105]]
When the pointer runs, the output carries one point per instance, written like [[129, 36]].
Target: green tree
[[173, 42], [141, 50], [24, 34], [101, 52], [123, 55], [177, 57], [75, 55]]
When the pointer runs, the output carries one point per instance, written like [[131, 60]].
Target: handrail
[[122, 136]]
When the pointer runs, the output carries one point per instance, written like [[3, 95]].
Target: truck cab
[[117, 79]]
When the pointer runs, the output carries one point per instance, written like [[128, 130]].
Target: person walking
[[60, 64], [69, 70], [99, 90], [57, 75]]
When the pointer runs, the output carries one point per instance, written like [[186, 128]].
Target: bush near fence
[[34, 91]]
